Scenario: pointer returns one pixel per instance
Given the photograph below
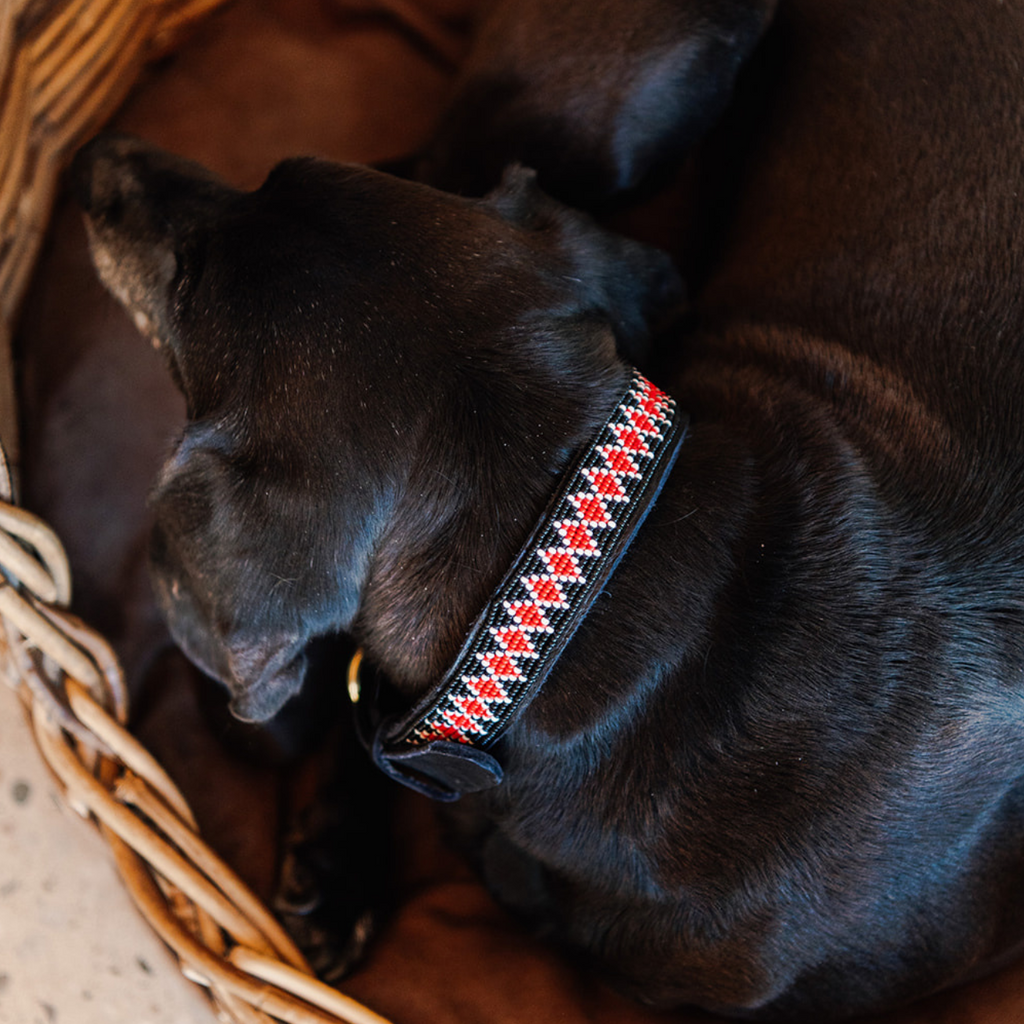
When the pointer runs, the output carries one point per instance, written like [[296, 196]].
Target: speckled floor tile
[[73, 950]]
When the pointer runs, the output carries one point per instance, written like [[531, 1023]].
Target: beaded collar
[[442, 745]]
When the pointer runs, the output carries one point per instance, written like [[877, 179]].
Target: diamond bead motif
[[527, 612]]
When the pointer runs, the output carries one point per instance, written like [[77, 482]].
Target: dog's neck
[[439, 745], [471, 499]]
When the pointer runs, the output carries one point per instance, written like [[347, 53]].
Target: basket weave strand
[[262, 968], [63, 71]]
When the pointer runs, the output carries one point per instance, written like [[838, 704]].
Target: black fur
[[778, 771], [602, 98]]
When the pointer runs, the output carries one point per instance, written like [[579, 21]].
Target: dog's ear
[[210, 579], [205, 585], [633, 286], [245, 567], [521, 201]]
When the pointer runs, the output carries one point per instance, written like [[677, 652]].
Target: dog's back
[[836, 570], [879, 200]]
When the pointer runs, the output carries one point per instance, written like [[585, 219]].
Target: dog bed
[[449, 955]]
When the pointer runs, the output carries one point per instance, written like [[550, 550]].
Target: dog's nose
[[102, 172], [119, 178]]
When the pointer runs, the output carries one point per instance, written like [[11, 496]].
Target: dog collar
[[441, 746]]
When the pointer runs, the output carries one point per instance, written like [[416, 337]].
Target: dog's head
[[322, 328]]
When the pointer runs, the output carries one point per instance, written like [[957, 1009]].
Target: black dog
[[777, 769]]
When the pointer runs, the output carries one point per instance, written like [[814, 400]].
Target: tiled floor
[[73, 950]]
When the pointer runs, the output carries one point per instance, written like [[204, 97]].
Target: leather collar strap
[[440, 746]]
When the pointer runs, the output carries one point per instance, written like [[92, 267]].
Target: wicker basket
[[65, 65]]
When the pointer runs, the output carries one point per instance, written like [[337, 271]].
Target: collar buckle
[[441, 769]]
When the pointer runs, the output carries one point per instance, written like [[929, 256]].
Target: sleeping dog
[[746, 730]]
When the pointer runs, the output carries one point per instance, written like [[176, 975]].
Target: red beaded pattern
[[495, 670]]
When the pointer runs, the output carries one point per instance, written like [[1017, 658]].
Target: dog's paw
[[335, 873], [615, 108], [330, 924]]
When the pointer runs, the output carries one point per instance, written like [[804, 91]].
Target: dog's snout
[[127, 183], [104, 173], [91, 177]]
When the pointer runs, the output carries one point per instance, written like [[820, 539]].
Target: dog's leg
[[595, 95], [333, 881], [335, 876]]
